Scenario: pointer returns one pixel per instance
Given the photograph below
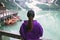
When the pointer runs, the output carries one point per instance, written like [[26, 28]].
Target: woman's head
[[30, 14]]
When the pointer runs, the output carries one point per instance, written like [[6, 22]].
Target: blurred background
[[47, 13]]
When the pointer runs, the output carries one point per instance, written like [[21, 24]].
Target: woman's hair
[[30, 13], [30, 24], [1, 4]]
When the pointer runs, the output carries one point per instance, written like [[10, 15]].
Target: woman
[[31, 29]]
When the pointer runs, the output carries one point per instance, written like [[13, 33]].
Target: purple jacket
[[35, 34]]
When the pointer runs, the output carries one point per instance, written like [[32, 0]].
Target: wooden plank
[[0, 36], [10, 34]]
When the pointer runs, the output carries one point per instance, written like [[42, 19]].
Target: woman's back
[[36, 32]]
